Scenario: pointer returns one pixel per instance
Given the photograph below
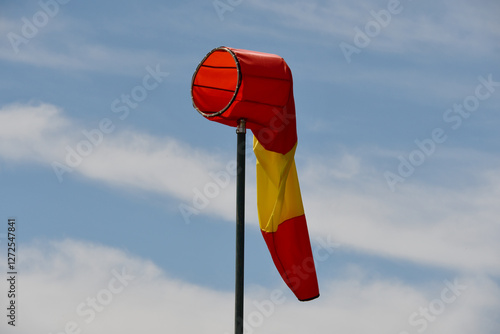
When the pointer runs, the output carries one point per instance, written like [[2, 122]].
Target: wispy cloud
[[64, 44], [453, 26], [81, 57]]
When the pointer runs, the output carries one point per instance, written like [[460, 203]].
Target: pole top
[[241, 128]]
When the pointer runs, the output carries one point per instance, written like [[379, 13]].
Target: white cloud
[[345, 198], [28, 131], [99, 289], [124, 158], [421, 222], [104, 290]]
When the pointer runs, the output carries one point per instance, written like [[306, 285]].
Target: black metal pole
[[240, 227]]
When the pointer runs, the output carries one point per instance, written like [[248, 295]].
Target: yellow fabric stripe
[[278, 191]]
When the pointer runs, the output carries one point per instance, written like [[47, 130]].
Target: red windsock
[[233, 84]]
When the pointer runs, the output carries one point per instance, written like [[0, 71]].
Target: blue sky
[[397, 115]]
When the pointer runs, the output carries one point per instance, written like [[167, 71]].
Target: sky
[[101, 149]]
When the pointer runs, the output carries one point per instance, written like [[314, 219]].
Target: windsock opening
[[216, 82]]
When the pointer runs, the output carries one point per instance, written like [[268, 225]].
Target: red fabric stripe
[[291, 251]]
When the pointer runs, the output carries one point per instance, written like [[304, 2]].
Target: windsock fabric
[[231, 84]]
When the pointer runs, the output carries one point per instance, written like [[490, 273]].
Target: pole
[[240, 226]]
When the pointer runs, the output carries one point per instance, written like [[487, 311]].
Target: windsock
[[233, 84]]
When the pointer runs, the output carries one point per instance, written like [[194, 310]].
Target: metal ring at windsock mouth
[[216, 82]]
